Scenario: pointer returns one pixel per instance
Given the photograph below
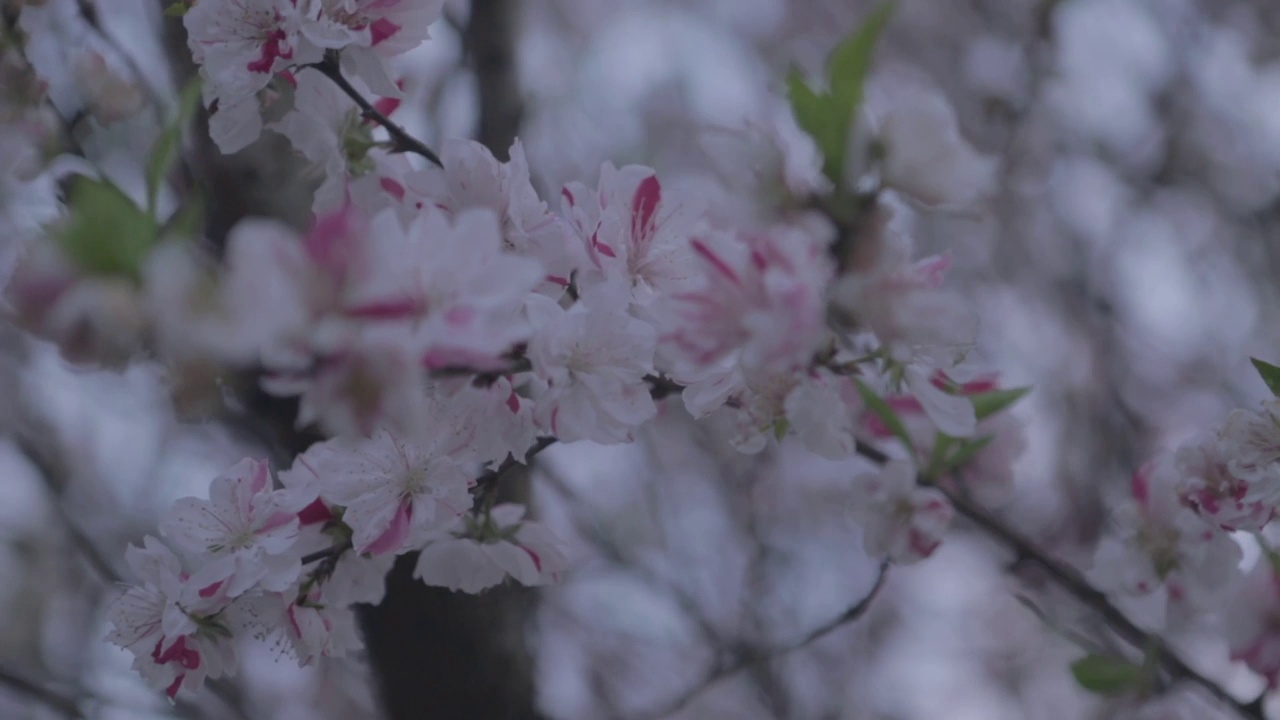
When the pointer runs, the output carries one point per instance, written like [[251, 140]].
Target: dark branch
[[404, 142]]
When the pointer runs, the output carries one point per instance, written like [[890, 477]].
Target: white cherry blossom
[[394, 491], [474, 556], [593, 359], [1160, 543], [246, 521], [900, 520]]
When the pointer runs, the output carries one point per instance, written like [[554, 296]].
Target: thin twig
[[1070, 580], [749, 657], [404, 142]]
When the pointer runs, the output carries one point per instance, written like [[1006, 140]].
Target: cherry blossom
[[394, 491], [593, 359], [910, 312], [450, 283], [632, 234], [168, 623], [472, 177], [327, 127], [481, 425], [246, 521], [1208, 486], [1252, 627], [240, 45], [368, 32], [822, 410], [1160, 543], [762, 294], [478, 554], [1252, 442], [900, 520]]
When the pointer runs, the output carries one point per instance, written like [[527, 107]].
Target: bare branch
[[751, 657]]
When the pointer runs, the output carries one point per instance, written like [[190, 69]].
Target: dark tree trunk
[[439, 654]]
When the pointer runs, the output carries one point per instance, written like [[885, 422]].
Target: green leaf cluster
[[828, 115]]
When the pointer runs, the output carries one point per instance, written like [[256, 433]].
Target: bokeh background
[[1123, 266]]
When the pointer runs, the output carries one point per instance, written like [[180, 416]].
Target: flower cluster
[[438, 324], [1174, 534], [287, 557], [246, 50]]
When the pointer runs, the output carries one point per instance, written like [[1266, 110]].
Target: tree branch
[[750, 657], [1069, 579], [404, 142]]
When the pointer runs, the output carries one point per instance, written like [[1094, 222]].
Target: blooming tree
[[442, 322]]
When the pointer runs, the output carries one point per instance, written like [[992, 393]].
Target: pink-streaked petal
[[393, 538]]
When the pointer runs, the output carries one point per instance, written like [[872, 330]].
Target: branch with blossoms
[[1073, 583], [442, 326], [401, 140]]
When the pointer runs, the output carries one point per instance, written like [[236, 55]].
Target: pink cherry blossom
[[593, 359], [900, 520], [1208, 486], [472, 177], [1252, 442], [240, 45], [394, 491], [822, 410], [449, 282], [761, 293], [471, 559], [480, 425], [246, 521], [632, 234], [1252, 624], [909, 310], [1160, 543], [156, 621], [368, 32], [328, 128]]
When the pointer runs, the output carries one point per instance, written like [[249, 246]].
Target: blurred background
[[1123, 266]]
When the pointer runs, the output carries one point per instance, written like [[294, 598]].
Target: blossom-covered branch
[[1075, 584]]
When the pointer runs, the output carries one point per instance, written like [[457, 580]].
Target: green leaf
[[937, 459], [1107, 675], [828, 116], [989, 403], [885, 413], [850, 63], [814, 116], [965, 453], [107, 233], [168, 146], [178, 9], [188, 221], [780, 428], [1270, 374]]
